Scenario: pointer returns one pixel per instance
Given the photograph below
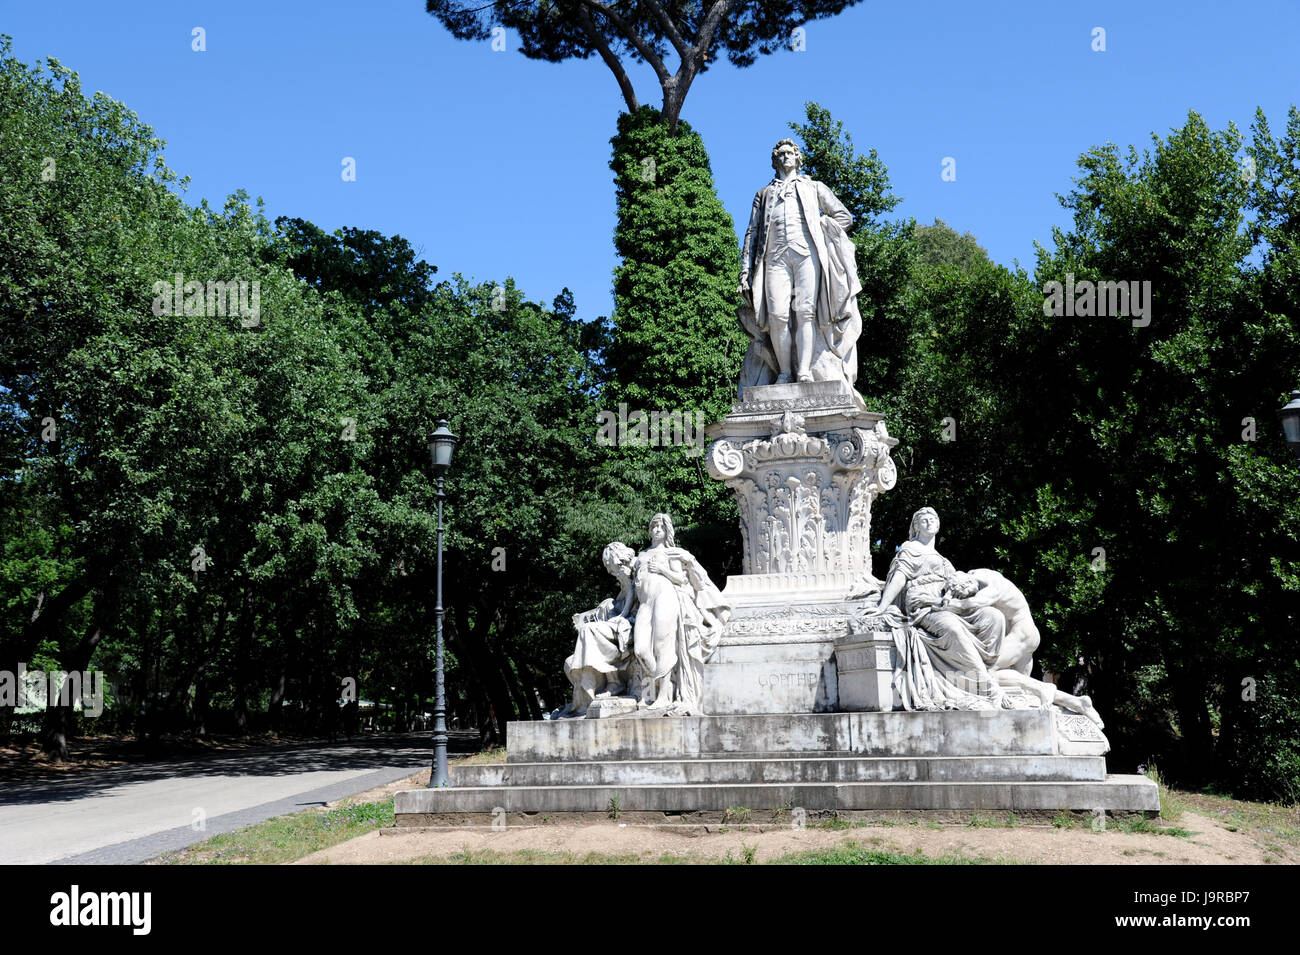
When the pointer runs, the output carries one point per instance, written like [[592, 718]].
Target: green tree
[[237, 515], [941, 246], [676, 344], [1145, 447], [641, 32]]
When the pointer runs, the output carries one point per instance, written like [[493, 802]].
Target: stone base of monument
[[1008, 760], [777, 653]]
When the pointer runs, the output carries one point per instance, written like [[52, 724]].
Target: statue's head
[[787, 145], [617, 558], [927, 517], [962, 585], [661, 529]]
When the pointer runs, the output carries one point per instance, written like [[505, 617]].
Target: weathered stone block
[[864, 667]]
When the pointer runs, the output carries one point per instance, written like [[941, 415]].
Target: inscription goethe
[[774, 680]]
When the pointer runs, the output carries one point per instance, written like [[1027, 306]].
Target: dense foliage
[[231, 514], [675, 344]]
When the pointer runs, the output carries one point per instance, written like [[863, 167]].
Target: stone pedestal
[[772, 678], [864, 665], [1023, 760], [805, 462]]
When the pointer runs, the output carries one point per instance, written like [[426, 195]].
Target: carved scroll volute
[[804, 489], [848, 453], [882, 472], [724, 460], [886, 474]]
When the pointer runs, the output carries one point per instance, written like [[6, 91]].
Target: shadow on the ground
[[371, 752]]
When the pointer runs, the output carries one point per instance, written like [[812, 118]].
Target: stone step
[[807, 769], [948, 733], [421, 807]]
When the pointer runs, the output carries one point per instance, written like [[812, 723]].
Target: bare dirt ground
[[1218, 831]]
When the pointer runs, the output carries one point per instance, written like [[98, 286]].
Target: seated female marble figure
[[945, 655], [602, 664]]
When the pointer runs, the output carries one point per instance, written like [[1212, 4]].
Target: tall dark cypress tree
[[676, 346]]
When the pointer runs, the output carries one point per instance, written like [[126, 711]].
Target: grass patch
[[737, 814], [850, 854], [548, 857], [286, 838], [497, 754], [833, 825], [1267, 823], [784, 812], [1172, 806], [748, 856], [988, 822], [1142, 824]]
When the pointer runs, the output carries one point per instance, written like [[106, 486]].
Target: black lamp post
[[442, 443], [1290, 417]]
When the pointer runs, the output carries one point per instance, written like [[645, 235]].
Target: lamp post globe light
[[1290, 417], [441, 445]]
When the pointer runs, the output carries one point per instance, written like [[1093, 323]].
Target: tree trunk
[[58, 717], [475, 693], [275, 708], [525, 705], [146, 684], [481, 659], [675, 97], [243, 650], [202, 690]]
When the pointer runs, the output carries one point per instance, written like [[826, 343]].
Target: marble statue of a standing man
[[798, 281]]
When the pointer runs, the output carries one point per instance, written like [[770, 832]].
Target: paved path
[[133, 813]]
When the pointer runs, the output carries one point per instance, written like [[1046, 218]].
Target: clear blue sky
[[493, 164]]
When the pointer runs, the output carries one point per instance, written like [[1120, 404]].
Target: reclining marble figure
[[987, 588], [963, 640]]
